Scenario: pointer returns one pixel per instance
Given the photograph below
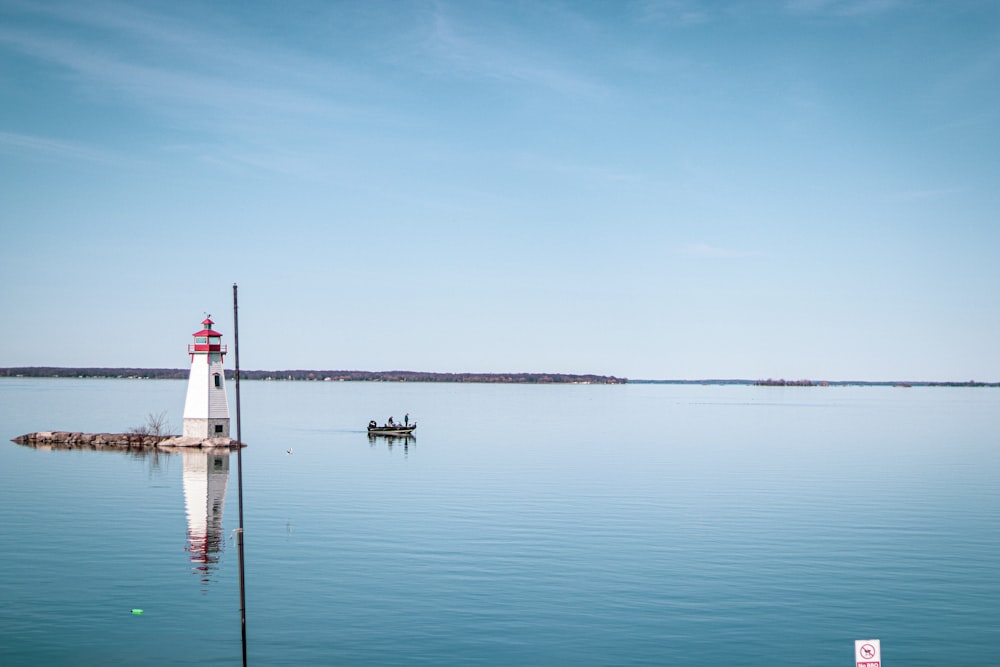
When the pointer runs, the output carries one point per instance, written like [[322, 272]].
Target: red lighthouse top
[[207, 340]]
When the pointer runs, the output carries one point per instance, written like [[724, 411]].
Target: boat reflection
[[391, 440], [206, 474]]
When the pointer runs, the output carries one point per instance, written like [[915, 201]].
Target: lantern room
[[207, 340]]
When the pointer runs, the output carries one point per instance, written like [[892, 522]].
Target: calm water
[[640, 524]]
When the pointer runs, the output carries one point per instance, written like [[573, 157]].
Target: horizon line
[[802, 382]]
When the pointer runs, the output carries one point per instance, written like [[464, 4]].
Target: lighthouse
[[206, 410]]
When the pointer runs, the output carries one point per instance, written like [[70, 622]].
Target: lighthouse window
[[218, 380], [218, 428], [200, 339]]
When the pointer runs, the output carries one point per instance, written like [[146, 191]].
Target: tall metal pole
[[239, 473]]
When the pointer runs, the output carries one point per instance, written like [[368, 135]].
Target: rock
[[130, 441]]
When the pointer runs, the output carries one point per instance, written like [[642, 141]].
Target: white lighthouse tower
[[206, 410]]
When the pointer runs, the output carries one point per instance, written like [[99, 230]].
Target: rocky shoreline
[[119, 441]]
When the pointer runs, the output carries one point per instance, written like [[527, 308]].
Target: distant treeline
[[824, 383], [53, 372], [829, 383], [317, 376], [787, 383], [416, 376]]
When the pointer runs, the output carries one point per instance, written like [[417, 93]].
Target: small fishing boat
[[391, 429]]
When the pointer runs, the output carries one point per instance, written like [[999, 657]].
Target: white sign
[[868, 653]]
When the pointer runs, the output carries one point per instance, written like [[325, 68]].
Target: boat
[[391, 429]]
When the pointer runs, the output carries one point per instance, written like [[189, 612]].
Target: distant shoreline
[[827, 383], [316, 375], [481, 378]]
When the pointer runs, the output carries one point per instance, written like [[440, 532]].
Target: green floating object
[[137, 612]]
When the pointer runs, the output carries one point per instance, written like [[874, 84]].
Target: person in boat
[[406, 419], [390, 422]]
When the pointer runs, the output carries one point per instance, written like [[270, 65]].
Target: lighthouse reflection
[[206, 474]]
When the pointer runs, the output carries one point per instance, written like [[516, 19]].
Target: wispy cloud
[[198, 69], [576, 169], [56, 148], [672, 12], [153, 85], [202, 79], [843, 7], [924, 194], [494, 55], [715, 252]]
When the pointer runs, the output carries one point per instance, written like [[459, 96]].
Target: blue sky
[[660, 190]]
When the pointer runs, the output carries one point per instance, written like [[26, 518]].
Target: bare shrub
[[156, 426]]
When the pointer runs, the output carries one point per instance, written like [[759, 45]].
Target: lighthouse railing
[[193, 347]]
